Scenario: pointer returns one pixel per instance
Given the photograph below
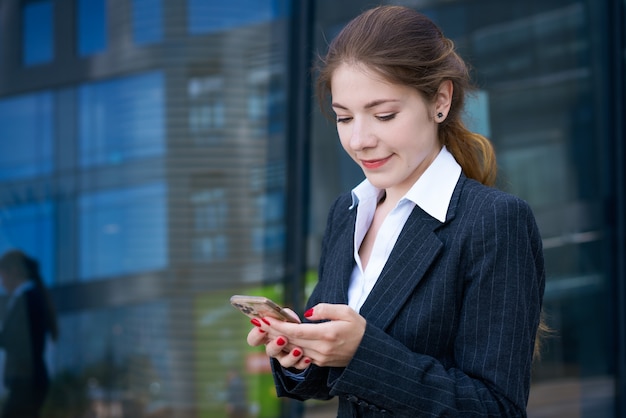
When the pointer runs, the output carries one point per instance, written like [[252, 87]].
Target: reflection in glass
[[30, 227], [207, 118], [121, 119], [26, 129], [147, 21], [210, 214], [114, 358], [123, 231], [92, 26], [38, 33], [213, 16]]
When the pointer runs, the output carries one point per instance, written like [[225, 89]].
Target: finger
[[277, 347], [304, 363], [276, 327], [291, 313], [329, 311], [256, 337], [293, 359]]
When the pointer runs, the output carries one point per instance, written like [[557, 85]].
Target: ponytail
[[473, 152]]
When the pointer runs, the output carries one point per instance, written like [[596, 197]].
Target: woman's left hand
[[328, 344]]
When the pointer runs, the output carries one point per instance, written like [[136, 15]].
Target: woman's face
[[388, 129]]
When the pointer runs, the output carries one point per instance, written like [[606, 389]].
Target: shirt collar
[[432, 191]]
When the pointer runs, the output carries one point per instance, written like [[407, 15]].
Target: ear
[[443, 100]]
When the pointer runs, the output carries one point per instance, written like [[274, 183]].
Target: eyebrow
[[369, 105]]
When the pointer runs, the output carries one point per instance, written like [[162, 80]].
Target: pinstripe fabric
[[451, 320]]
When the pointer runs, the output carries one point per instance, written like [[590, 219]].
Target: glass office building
[[157, 156]]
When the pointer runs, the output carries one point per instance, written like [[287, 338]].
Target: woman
[[430, 280], [30, 317]]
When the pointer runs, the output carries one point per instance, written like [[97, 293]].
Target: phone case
[[259, 307]]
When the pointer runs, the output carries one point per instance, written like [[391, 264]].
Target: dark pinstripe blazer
[[451, 321]]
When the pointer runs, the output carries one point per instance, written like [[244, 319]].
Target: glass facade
[[91, 26], [147, 18], [121, 119], [38, 34], [28, 138], [148, 170]]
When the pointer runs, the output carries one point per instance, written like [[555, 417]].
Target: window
[[123, 231], [147, 21], [213, 16], [269, 236], [207, 117], [29, 227], [121, 119], [37, 33], [210, 209], [92, 26], [26, 129]]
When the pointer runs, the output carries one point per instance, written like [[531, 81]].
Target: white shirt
[[431, 192]]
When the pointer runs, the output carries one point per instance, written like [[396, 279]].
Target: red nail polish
[[307, 360], [308, 313], [296, 353], [255, 322], [260, 330], [266, 321], [280, 341]]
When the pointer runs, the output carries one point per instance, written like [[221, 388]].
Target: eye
[[385, 118], [344, 119]]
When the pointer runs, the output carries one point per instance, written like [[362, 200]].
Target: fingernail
[[260, 330], [296, 353], [307, 360], [308, 313], [255, 322], [266, 321], [280, 341]]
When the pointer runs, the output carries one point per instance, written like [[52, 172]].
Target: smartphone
[[260, 306]]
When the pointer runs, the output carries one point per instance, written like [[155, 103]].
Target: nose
[[361, 136]]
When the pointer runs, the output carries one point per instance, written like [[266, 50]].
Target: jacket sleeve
[[493, 347]]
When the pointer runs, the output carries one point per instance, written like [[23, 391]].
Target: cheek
[[344, 138]]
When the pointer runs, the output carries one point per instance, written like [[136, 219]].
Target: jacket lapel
[[417, 247], [340, 256]]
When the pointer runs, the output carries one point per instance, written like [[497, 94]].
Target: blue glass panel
[[212, 16], [92, 26], [26, 129], [123, 231], [38, 35], [132, 339], [147, 21], [30, 228], [121, 119]]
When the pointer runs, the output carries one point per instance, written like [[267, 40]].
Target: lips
[[373, 164]]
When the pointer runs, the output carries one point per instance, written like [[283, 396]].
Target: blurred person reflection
[[29, 317]]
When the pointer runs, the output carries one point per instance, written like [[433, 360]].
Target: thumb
[[329, 312]]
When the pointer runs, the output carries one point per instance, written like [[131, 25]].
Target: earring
[[439, 115]]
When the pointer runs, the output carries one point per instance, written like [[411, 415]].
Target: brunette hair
[[22, 266], [406, 48]]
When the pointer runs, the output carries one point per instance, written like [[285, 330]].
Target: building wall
[[146, 157]]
